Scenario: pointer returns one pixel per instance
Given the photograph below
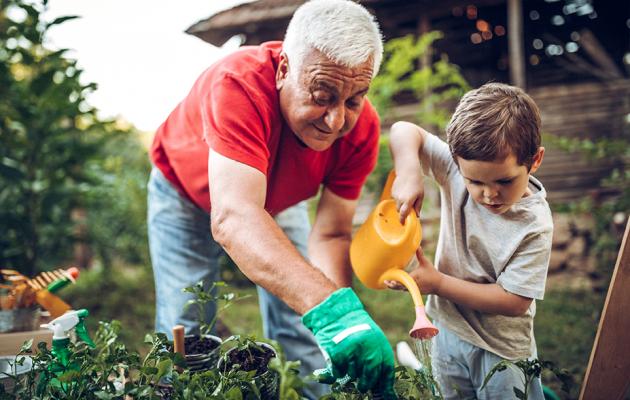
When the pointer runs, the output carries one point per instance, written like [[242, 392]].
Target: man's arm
[[329, 242], [251, 237]]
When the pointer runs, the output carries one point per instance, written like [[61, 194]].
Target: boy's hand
[[408, 192], [426, 276]]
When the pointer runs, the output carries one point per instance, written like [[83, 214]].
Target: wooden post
[[608, 372], [516, 43], [424, 26], [178, 342]]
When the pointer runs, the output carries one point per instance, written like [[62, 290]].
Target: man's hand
[[355, 345], [408, 192], [426, 276]]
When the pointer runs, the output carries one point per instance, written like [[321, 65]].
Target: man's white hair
[[342, 30]]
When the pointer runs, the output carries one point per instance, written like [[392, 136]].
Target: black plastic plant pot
[[254, 359], [202, 352]]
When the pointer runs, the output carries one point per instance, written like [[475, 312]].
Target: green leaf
[[500, 366], [26, 346], [104, 395], [61, 20], [165, 367], [519, 394]]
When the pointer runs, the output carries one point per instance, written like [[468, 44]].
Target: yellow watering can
[[381, 249]]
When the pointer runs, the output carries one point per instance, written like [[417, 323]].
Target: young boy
[[495, 236]]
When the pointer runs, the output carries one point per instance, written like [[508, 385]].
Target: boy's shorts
[[460, 369]]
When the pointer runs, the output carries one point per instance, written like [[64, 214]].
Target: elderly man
[[259, 133]]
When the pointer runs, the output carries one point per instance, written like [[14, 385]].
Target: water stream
[[422, 350]]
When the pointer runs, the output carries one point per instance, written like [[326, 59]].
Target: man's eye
[[321, 98], [353, 103]]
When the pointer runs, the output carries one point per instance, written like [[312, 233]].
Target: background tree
[[53, 146]]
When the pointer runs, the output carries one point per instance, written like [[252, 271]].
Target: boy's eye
[[474, 182], [505, 181]]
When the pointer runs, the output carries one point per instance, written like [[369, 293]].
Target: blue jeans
[[461, 367], [183, 253]]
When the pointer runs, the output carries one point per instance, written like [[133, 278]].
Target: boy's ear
[[537, 160]]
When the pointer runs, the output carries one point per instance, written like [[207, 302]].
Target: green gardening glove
[[353, 343]]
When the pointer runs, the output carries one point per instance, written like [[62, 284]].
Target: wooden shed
[[572, 56]]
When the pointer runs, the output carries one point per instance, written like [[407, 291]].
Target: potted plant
[[251, 356], [201, 351]]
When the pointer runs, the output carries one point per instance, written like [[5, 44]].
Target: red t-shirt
[[233, 108]]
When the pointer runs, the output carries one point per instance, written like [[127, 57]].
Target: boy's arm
[[489, 298], [406, 141]]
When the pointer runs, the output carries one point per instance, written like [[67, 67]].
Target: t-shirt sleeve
[[233, 125], [436, 160], [347, 178], [526, 273]]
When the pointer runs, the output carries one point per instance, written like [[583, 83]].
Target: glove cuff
[[340, 303]]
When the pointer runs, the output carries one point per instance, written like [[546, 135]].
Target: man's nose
[[335, 118]]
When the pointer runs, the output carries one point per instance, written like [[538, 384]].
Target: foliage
[[433, 87], [607, 238], [384, 164], [47, 136], [117, 206], [53, 151], [111, 371], [211, 295], [530, 370]]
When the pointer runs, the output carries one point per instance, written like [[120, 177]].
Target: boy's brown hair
[[493, 121]]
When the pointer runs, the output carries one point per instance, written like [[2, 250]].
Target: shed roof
[[263, 20]]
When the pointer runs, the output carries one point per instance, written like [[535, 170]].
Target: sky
[[137, 52]]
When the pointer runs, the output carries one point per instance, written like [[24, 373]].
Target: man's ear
[[537, 160], [283, 70]]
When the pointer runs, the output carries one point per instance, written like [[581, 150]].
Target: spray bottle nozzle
[[68, 321]]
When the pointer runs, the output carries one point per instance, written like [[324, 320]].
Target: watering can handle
[[387, 189]]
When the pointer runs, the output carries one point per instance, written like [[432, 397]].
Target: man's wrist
[[340, 303]]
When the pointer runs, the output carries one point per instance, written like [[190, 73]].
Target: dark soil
[[254, 359], [164, 392], [199, 345]]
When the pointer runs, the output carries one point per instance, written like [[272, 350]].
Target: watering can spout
[[422, 327]]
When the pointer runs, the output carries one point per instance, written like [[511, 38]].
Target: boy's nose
[[490, 192]]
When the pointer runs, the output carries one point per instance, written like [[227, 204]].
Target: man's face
[[497, 185], [321, 101]]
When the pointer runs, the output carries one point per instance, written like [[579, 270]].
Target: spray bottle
[[61, 327]]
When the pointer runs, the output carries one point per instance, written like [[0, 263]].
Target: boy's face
[[497, 185]]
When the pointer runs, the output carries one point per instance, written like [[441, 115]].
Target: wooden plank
[[10, 343], [516, 43], [608, 372]]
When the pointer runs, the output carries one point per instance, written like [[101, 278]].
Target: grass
[[565, 327]]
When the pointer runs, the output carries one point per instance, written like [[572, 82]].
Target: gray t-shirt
[[511, 249]]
